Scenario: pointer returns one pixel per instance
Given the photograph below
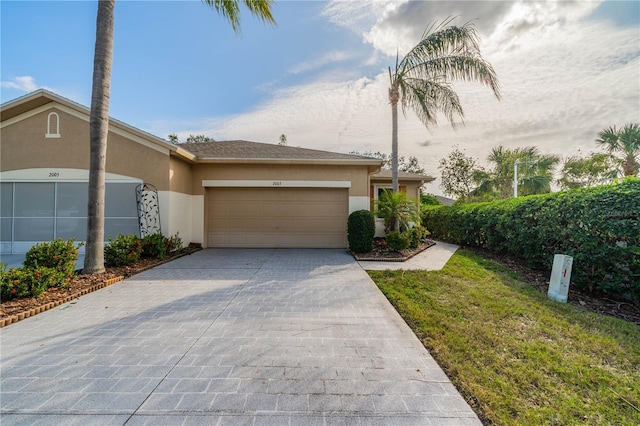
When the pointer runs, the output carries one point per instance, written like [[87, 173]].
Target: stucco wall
[[180, 179], [357, 175], [24, 146]]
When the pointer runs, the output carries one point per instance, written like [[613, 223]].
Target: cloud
[[396, 26], [23, 83], [321, 115], [328, 58], [564, 77]]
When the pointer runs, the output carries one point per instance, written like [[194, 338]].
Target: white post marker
[[560, 278]]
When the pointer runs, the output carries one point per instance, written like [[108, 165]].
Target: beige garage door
[[278, 217]]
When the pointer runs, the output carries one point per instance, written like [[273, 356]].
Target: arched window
[[53, 125]]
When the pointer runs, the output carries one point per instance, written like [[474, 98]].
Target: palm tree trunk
[[393, 100], [629, 167], [98, 131]]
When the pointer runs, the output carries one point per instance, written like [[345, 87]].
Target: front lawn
[[516, 356]]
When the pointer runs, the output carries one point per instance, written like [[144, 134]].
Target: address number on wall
[[54, 174], [278, 183]]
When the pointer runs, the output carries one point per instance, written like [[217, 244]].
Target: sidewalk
[[432, 259]]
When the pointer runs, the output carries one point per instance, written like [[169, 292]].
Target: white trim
[[288, 160], [49, 134], [58, 175], [276, 183], [164, 207], [359, 203], [197, 221], [380, 228], [138, 139], [26, 115], [83, 116]]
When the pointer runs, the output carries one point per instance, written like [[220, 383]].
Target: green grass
[[516, 356]]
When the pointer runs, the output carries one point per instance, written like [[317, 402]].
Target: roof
[[240, 150], [444, 200], [385, 174], [237, 151], [42, 97]]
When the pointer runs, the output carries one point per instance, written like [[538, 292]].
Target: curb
[[365, 258]]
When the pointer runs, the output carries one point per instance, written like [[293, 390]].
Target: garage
[[277, 217]]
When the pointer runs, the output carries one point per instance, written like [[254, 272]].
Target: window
[[53, 125], [32, 212], [6, 216]]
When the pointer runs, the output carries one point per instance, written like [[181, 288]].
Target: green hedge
[[599, 227], [361, 228]]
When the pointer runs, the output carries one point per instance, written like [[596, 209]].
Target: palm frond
[[426, 98], [624, 144], [457, 68], [443, 42], [230, 10], [537, 184]]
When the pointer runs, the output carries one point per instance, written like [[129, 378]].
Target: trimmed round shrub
[[28, 282], [123, 251], [155, 245], [59, 255], [397, 241], [361, 228]]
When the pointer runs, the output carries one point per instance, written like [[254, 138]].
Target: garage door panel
[[320, 210], [277, 217], [269, 209]]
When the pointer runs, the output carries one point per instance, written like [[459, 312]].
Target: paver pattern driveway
[[273, 336]]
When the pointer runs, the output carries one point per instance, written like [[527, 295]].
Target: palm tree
[[422, 79], [99, 116], [397, 210], [582, 172], [624, 147], [534, 176], [98, 130]]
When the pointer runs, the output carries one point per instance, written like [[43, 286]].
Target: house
[[220, 194], [445, 201]]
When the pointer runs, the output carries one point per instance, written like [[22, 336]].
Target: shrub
[[397, 241], [25, 282], [155, 245], [599, 227], [416, 235], [429, 200], [158, 246], [124, 250], [12, 284], [361, 228], [175, 243], [58, 254]]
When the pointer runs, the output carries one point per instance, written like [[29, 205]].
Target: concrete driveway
[[242, 337]]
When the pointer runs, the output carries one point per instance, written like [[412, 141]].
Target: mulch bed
[[17, 309], [382, 253]]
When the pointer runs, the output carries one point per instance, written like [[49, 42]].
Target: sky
[[567, 69]]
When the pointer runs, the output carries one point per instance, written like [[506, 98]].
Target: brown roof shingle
[[246, 150]]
